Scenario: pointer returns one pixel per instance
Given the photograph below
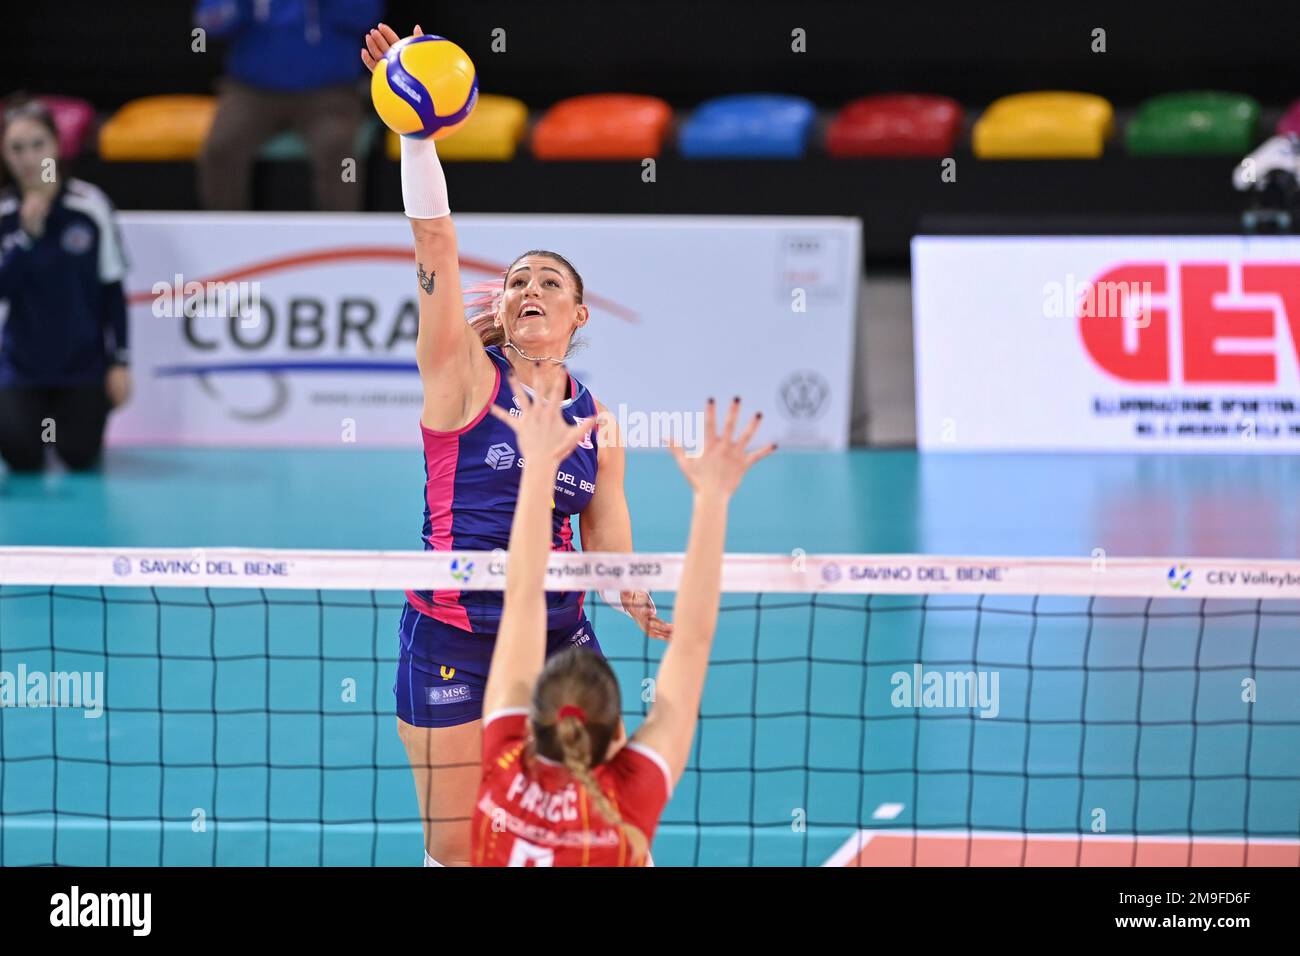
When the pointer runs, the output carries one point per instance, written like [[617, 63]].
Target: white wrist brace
[[424, 187], [615, 600]]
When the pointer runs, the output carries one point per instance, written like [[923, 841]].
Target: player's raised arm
[[544, 439], [714, 476], [447, 351]]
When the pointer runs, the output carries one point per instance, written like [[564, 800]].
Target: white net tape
[[598, 571]]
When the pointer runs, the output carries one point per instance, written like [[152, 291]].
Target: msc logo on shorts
[[446, 694], [499, 456]]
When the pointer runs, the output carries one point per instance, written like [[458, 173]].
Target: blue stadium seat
[[748, 125]]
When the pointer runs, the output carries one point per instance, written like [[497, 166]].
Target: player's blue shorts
[[442, 670]]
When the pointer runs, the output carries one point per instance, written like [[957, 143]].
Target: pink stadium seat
[[1289, 124], [74, 118]]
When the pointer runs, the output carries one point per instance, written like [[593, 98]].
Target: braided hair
[[581, 679]]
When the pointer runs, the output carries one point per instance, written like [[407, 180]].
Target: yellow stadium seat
[[493, 132], [1044, 125], [158, 128]]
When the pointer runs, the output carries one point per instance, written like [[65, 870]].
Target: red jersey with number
[[534, 813]]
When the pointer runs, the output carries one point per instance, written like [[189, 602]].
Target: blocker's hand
[[379, 41], [545, 437], [637, 604]]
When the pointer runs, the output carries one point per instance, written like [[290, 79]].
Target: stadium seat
[[74, 118], [158, 128], [603, 126], [1289, 124], [895, 124], [748, 125], [1044, 125], [1194, 123], [493, 132], [290, 145]]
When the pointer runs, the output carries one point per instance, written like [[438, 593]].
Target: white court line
[[851, 848], [854, 844], [888, 811]]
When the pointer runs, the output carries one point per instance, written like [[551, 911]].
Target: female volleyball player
[[472, 479], [560, 784]]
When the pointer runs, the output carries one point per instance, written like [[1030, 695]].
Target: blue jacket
[[66, 319], [291, 45]]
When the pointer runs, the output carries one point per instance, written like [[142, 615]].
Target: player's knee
[[446, 848]]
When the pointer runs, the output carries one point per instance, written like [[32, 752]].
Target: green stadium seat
[[1194, 123]]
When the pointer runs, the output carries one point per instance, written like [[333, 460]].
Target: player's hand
[[117, 385], [722, 461], [379, 41], [637, 604], [35, 209], [545, 438]]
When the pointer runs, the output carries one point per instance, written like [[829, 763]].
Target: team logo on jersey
[[586, 436], [448, 694], [445, 672], [77, 238], [499, 456]]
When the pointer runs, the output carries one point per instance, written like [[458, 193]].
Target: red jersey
[[544, 817]]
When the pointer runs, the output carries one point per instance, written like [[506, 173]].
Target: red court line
[[977, 848]]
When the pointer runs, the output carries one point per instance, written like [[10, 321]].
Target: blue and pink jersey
[[470, 489]]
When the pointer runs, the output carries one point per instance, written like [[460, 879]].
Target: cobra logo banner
[[1165, 344], [283, 330]]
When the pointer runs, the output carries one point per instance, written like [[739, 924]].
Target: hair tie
[[572, 710]]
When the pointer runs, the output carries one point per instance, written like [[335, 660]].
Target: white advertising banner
[[1107, 343], [299, 330]]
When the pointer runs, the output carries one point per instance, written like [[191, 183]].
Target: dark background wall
[[686, 50]]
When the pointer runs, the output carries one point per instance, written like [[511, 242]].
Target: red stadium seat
[[895, 124], [603, 126]]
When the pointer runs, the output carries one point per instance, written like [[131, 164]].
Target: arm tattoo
[[426, 278]]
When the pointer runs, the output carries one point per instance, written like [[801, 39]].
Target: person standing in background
[[291, 64], [63, 340]]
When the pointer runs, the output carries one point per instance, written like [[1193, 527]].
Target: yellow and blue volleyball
[[425, 87]]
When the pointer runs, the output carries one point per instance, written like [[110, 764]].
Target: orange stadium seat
[[158, 128], [603, 126], [1044, 125], [493, 132]]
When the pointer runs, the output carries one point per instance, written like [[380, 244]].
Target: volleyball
[[424, 87]]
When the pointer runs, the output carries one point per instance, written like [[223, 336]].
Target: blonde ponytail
[[575, 745]]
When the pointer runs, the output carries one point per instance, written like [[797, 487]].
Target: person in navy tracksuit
[[63, 338]]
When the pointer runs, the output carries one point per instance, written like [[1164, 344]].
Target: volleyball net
[[235, 707]]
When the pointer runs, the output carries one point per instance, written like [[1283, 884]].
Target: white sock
[[430, 861]]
